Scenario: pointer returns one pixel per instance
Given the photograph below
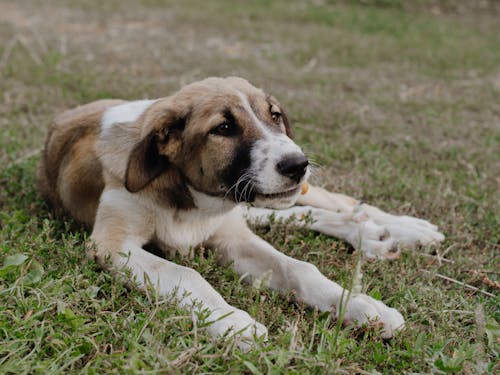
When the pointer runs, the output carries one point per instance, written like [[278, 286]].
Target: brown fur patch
[[77, 126]]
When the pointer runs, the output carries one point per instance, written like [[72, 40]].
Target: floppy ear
[[147, 159], [145, 163], [288, 128]]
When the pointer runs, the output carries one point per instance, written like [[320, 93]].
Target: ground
[[396, 102]]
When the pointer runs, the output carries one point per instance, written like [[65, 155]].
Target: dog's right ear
[[144, 163], [149, 158]]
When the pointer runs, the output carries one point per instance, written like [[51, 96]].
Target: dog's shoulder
[[119, 133], [124, 112]]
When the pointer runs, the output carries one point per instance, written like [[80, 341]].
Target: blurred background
[[394, 79]]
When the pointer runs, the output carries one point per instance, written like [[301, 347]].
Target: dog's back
[[70, 173]]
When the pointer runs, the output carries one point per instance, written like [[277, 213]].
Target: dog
[[191, 169]]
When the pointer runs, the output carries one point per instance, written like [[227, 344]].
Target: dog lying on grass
[[178, 172]]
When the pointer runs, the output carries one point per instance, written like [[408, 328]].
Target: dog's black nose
[[293, 166]]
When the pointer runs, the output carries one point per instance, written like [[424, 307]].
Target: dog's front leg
[[408, 232], [116, 243], [252, 256]]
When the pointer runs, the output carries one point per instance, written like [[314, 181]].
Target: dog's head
[[221, 137]]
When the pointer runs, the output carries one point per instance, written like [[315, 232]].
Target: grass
[[399, 103]]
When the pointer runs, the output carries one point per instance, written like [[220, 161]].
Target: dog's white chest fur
[[182, 231], [172, 229]]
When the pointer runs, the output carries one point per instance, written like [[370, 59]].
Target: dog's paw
[[408, 232], [239, 325], [362, 309], [373, 240], [359, 230]]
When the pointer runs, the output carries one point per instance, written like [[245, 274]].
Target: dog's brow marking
[[248, 108], [124, 113]]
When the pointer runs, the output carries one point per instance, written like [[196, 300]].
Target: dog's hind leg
[[255, 259], [321, 198], [408, 232]]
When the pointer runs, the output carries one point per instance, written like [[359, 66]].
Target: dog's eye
[[276, 116], [225, 129], [275, 113]]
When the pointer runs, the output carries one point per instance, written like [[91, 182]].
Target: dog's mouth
[[278, 195]]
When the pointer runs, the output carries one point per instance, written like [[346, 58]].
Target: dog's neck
[[211, 205]]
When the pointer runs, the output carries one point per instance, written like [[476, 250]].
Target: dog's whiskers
[[245, 177], [246, 192], [241, 180], [232, 187], [249, 177]]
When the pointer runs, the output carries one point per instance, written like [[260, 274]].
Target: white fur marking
[[176, 230], [127, 112], [252, 114]]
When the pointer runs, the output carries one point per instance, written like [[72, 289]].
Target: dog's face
[[222, 137]]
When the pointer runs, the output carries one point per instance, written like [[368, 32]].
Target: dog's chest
[[182, 232]]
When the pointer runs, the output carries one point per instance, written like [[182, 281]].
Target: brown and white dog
[[174, 171]]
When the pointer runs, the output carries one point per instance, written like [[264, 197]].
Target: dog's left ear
[[145, 162], [288, 129], [286, 122]]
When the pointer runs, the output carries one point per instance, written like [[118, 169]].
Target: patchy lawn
[[398, 103]]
